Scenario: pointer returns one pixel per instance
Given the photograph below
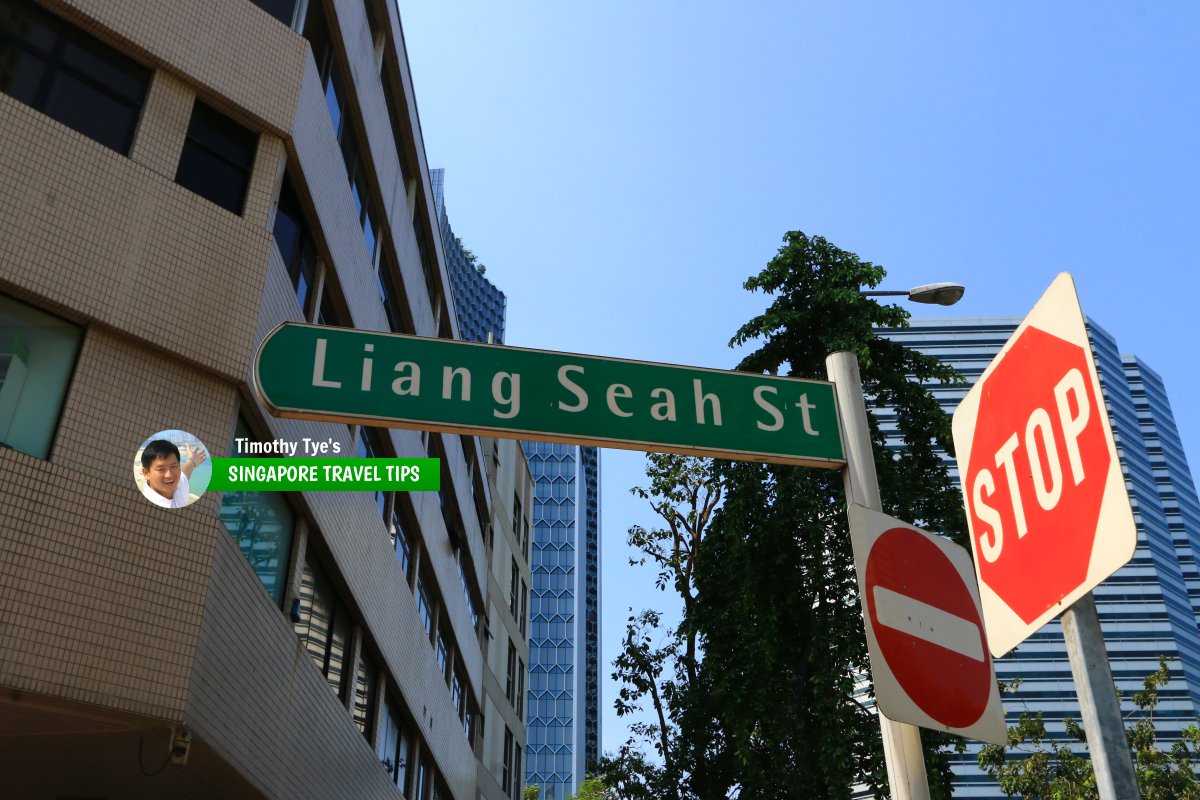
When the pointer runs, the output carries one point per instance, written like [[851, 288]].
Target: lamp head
[[942, 294]]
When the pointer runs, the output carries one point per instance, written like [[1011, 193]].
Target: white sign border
[[1058, 313], [866, 527]]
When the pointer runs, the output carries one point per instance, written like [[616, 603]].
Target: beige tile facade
[[122, 623]]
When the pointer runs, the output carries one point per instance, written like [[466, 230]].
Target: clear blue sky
[[622, 167]]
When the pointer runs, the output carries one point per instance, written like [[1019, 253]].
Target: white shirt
[[179, 499]]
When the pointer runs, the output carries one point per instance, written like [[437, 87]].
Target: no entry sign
[[925, 635], [1046, 502]]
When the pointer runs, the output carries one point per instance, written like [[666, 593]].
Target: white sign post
[[901, 743]]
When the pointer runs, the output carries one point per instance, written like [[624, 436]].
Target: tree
[[532, 792], [769, 591], [659, 665], [594, 788], [1046, 768]]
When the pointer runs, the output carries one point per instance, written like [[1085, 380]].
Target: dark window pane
[[222, 136], [305, 274], [295, 244], [327, 314], [339, 650], [217, 157], [21, 73], [281, 10], [287, 238], [28, 24], [369, 227], [212, 178], [100, 64], [66, 74], [90, 111], [333, 102]]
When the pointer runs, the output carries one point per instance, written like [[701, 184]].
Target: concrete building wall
[[121, 623]]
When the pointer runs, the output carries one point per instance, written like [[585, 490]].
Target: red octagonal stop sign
[[1037, 471], [1046, 502]]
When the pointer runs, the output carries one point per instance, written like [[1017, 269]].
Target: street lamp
[[942, 294]]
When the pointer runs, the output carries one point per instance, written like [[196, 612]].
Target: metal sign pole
[[1098, 705], [901, 743]]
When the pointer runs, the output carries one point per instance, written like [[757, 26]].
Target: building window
[[472, 609], [512, 588], [328, 310], [70, 76], [400, 540], [218, 155], [424, 781], [37, 356], [394, 744], [324, 625], [261, 523], [510, 682], [282, 10], [458, 695], [368, 447], [296, 246], [523, 617], [366, 682], [520, 687], [443, 656], [506, 782], [391, 297], [424, 606]]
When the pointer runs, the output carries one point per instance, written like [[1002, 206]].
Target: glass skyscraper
[[564, 650], [479, 305], [563, 702], [1146, 609]]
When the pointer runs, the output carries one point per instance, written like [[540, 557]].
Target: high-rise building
[[563, 701], [1148, 608], [506, 670], [564, 646], [176, 179], [480, 306]]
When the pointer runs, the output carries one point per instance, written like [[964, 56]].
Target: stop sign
[[925, 633], [1046, 502]]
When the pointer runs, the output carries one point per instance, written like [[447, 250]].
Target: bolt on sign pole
[[1098, 705], [901, 743]]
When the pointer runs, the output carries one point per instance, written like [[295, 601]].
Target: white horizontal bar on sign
[[923, 621]]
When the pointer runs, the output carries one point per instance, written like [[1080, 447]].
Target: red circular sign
[[1035, 480], [928, 627]]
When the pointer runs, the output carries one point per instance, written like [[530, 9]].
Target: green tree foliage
[[1036, 767], [659, 665], [769, 588], [594, 788], [532, 792]]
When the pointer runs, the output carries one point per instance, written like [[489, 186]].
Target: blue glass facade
[[563, 699], [564, 658], [478, 304], [1146, 609]]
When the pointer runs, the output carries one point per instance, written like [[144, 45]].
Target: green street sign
[[343, 375]]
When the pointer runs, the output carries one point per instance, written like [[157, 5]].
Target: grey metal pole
[[1098, 705], [901, 742]]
